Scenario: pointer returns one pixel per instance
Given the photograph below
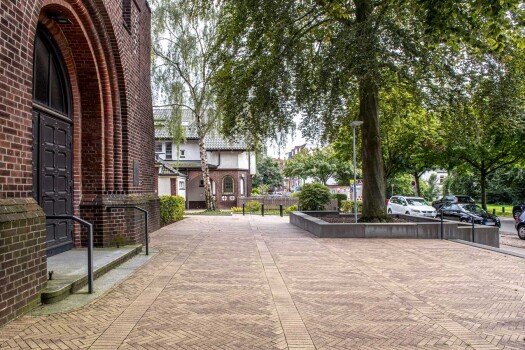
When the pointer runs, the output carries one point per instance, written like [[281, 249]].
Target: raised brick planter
[[418, 228], [22, 256]]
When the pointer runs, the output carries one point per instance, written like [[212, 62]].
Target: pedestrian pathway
[[261, 283]]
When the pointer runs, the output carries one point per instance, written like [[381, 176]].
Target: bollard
[[473, 234], [242, 209], [493, 211], [281, 210], [262, 210], [441, 224], [503, 209], [299, 208]]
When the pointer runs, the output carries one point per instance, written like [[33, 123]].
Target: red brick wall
[[22, 256], [108, 65], [218, 176]]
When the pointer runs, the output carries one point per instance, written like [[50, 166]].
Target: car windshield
[[474, 209], [417, 201], [464, 199]]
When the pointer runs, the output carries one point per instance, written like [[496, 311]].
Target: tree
[[489, 110], [328, 58], [320, 164], [314, 196], [431, 190], [268, 173], [184, 35]]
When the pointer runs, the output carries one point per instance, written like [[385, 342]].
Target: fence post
[[441, 224], [503, 209], [493, 211], [242, 209], [281, 210], [299, 208], [473, 234], [262, 209]]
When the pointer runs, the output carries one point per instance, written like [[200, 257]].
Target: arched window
[[50, 87], [227, 185]]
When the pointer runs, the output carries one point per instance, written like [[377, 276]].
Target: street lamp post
[[355, 124]]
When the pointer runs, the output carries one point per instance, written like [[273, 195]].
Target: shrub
[[314, 196], [255, 191], [236, 209], [171, 209], [340, 197], [253, 206], [348, 206], [290, 209]]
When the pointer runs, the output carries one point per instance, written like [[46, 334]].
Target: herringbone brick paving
[[261, 283]]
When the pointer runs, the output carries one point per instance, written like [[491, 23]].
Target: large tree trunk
[[374, 198], [210, 202], [417, 175], [483, 185]]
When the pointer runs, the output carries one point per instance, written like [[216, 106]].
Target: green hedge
[[348, 206], [253, 206], [171, 209], [314, 196]]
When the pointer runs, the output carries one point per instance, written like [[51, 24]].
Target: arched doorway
[[52, 141]]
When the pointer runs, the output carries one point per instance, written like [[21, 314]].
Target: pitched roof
[[166, 169], [213, 142]]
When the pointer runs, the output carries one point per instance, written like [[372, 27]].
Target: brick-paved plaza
[[261, 283]]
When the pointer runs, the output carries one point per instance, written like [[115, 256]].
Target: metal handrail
[[89, 245], [146, 234]]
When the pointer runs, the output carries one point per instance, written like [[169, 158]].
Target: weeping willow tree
[[183, 36]]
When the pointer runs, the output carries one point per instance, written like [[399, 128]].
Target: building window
[[182, 153], [168, 150], [158, 147], [181, 185], [201, 183], [227, 185]]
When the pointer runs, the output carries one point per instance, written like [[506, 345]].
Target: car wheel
[[517, 213], [407, 213], [463, 220], [389, 211], [521, 231]]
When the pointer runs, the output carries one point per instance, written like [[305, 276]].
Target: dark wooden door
[[55, 183], [52, 142]]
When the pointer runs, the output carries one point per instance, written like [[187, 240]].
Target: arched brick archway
[[84, 43]]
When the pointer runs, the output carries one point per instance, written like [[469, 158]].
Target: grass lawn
[[211, 212], [499, 211]]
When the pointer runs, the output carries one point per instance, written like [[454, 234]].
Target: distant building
[[231, 164]]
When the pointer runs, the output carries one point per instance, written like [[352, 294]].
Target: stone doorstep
[[60, 289]]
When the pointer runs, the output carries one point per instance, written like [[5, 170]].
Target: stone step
[[70, 269]]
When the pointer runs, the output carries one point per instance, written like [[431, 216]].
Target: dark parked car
[[520, 225], [518, 209], [467, 213], [452, 199]]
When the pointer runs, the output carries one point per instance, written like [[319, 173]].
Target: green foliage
[[255, 191], [347, 206], [290, 209], [268, 173], [236, 209], [319, 164], [430, 189], [171, 209], [314, 196], [340, 197], [253, 206], [402, 185]]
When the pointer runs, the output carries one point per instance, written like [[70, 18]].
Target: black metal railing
[[146, 233], [89, 244]]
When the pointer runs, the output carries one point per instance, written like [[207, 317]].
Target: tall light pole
[[355, 124]]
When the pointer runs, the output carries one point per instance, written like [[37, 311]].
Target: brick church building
[[76, 133]]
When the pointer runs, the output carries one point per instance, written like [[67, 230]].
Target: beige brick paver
[[261, 283]]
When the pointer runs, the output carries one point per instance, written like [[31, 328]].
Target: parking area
[[261, 283]]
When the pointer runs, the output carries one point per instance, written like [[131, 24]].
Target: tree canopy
[[329, 61]]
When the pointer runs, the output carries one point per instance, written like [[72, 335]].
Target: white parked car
[[410, 206]]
